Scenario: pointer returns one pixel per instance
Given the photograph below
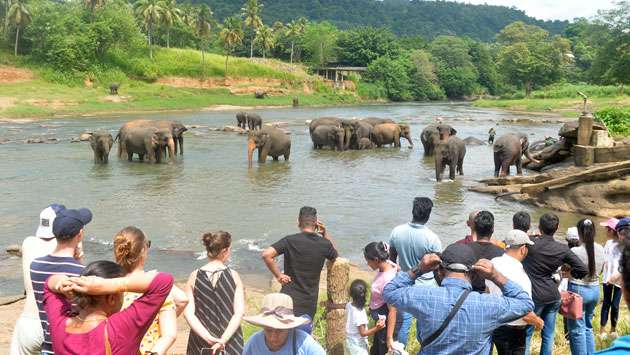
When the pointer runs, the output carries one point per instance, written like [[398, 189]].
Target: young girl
[[612, 291], [377, 257], [357, 332]]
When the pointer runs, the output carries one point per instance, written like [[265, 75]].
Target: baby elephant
[[101, 143], [366, 143], [113, 88]]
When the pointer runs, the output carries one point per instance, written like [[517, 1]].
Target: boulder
[[234, 129], [569, 129], [75, 140], [14, 249], [84, 137], [601, 139], [34, 141]]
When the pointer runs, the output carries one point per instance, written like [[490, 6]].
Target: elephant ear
[[453, 131]]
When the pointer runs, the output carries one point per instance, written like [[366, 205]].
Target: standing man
[[65, 259], [543, 260], [484, 247], [472, 237], [522, 221], [509, 339], [304, 256], [491, 134], [28, 335], [408, 243]]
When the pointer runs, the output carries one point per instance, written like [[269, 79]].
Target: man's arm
[[533, 319], [324, 232], [578, 269], [397, 293], [268, 256]]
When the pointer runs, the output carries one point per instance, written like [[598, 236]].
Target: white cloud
[[552, 9]]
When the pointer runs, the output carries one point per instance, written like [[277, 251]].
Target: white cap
[[572, 234], [46, 219]]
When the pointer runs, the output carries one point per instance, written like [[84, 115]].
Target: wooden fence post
[[336, 286]]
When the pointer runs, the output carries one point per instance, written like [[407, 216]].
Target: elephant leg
[[130, 156], [263, 153], [141, 157], [175, 145], [275, 157], [497, 164], [397, 140], [438, 171], [460, 166], [181, 144], [505, 168], [519, 166], [105, 158], [286, 155], [451, 170]]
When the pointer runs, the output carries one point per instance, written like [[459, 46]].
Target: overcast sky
[[552, 9]]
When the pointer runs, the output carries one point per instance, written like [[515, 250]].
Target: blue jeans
[[403, 324], [548, 312], [612, 297], [581, 330]]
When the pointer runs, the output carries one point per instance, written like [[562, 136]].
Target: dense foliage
[[616, 119]]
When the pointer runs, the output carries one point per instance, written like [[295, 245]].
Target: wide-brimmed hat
[[277, 313], [610, 223]]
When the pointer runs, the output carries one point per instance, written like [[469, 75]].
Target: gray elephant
[[508, 150], [390, 133], [175, 128], [366, 143], [146, 141], [430, 136], [328, 121], [113, 88], [449, 152], [101, 143], [473, 141], [254, 120], [362, 130], [328, 136], [241, 120], [270, 142], [373, 121]]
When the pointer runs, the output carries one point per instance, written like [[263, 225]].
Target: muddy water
[[359, 195]]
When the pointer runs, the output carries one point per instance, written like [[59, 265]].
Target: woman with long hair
[[377, 257], [612, 290], [592, 255], [216, 301], [131, 249], [101, 327]]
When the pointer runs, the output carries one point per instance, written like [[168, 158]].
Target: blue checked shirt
[[471, 329]]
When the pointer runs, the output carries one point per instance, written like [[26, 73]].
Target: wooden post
[[296, 102], [585, 129], [336, 285]]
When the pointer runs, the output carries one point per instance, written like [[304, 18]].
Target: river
[[360, 195]]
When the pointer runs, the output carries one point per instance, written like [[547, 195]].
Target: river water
[[360, 195]]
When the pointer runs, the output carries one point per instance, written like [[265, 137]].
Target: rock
[[601, 139], [52, 139], [14, 250], [34, 141], [214, 129], [195, 126], [234, 129], [473, 141], [75, 140], [276, 124], [569, 129], [259, 94], [84, 137]]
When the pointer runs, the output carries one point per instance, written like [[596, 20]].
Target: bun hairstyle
[[103, 268], [216, 242], [129, 244], [358, 293], [378, 251]]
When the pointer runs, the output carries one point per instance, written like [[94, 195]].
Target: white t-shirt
[[33, 248], [354, 318], [513, 270], [612, 255]]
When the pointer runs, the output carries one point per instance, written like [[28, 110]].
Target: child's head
[[358, 293], [376, 253]]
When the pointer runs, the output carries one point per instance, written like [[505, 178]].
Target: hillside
[[406, 18]]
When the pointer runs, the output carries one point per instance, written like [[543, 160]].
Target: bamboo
[[337, 282]]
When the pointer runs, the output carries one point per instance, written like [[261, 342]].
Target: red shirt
[[467, 240]]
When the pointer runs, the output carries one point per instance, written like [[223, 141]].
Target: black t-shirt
[[304, 256], [483, 250]]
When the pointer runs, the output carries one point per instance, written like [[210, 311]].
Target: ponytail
[[586, 231], [358, 293], [378, 251]]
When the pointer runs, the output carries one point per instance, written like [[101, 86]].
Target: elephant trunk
[[251, 146], [530, 157]]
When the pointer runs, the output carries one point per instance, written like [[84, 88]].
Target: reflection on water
[[360, 195]]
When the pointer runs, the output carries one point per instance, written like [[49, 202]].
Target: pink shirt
[[381, 279], [125, 329]]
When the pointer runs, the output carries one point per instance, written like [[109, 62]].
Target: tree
[[170, 15], [423, 77], [150, 12], [203, 25], [392, 75], [485, 65], [251, 15], [231, 35], [455, 70], [18, 16], [92, 5], [320, 41], [360, 46], [613, 58], [293, 30], [266, 38]]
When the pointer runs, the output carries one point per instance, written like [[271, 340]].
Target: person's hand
[[429, 262], [321, 228], [217, 348], [484, 268], [86, 284], [283, 279], [390, 345], [539, 323], [380, 324]]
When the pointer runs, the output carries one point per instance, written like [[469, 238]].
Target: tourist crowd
[[482, 292]]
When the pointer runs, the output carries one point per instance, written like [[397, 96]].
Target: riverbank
[[567, 107]]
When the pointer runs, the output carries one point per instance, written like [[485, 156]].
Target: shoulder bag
[[571, 305]]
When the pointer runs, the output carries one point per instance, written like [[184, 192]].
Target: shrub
[[616, 119], [371, 91]]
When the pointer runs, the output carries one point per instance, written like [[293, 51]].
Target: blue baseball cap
[[623, 224], [69, 223]]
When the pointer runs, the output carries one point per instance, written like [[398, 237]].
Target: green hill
[[404, 17]]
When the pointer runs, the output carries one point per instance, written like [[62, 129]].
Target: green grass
[[568, 107]]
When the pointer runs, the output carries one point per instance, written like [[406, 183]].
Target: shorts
[[28, 337]]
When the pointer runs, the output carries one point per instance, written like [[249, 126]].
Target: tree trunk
[[338, 274], [528, 89], [227, 55], [17, 36], [150, 44], [292, 43], [321, 53], [168, 38], [251, 48]]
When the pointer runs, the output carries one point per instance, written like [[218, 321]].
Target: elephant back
[[334, 121]]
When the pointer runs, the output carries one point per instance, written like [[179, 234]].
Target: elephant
[[366, 143], [241, 119], [430, 136], [373, 121], [175, 128], [330, 136], [101, 143], [473, 141], [254, 120], [449, 152], [361, 130], [329, 121], [390, 133], [269, 141], [149, 141], [113, 88], [508, 150], [349, 127], [259, 94]]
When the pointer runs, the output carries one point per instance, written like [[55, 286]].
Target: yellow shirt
[[153, 333]]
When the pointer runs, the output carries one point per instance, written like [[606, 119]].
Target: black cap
[[623, 224], [70, 222], [458, 258]]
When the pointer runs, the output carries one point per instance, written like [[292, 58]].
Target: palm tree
[[150, 11], [18, 16], [266, 38], [170, 15], [251, 14], [294, 30], [203, 25], [93, 4], [231, 35]]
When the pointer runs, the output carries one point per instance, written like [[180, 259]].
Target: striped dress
[[214, 307], [41, 269]]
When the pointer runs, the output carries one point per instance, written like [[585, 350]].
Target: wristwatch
[[415, 271]]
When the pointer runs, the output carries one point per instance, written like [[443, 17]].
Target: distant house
[[338, 75]]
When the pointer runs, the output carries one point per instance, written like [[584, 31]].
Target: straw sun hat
[[277, 313]]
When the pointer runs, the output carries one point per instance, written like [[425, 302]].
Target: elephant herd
[[343, 134]]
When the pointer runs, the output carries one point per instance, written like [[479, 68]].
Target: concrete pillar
[[584, 155], [585, 129]]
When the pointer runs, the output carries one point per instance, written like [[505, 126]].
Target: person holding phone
[[304, 256]]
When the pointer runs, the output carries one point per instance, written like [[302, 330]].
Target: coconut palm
[[19, 16], [251, 15], [150, 12], [231, 35], [170, 15], [294, 30], [203, 25], [266, 38]]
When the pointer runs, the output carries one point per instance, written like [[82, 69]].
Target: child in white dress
[[357, 331]]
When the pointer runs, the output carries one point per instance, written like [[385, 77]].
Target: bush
[[371, 91], [616, 119], [563, 90]]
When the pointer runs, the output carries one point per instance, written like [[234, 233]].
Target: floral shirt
[[153, 333]]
